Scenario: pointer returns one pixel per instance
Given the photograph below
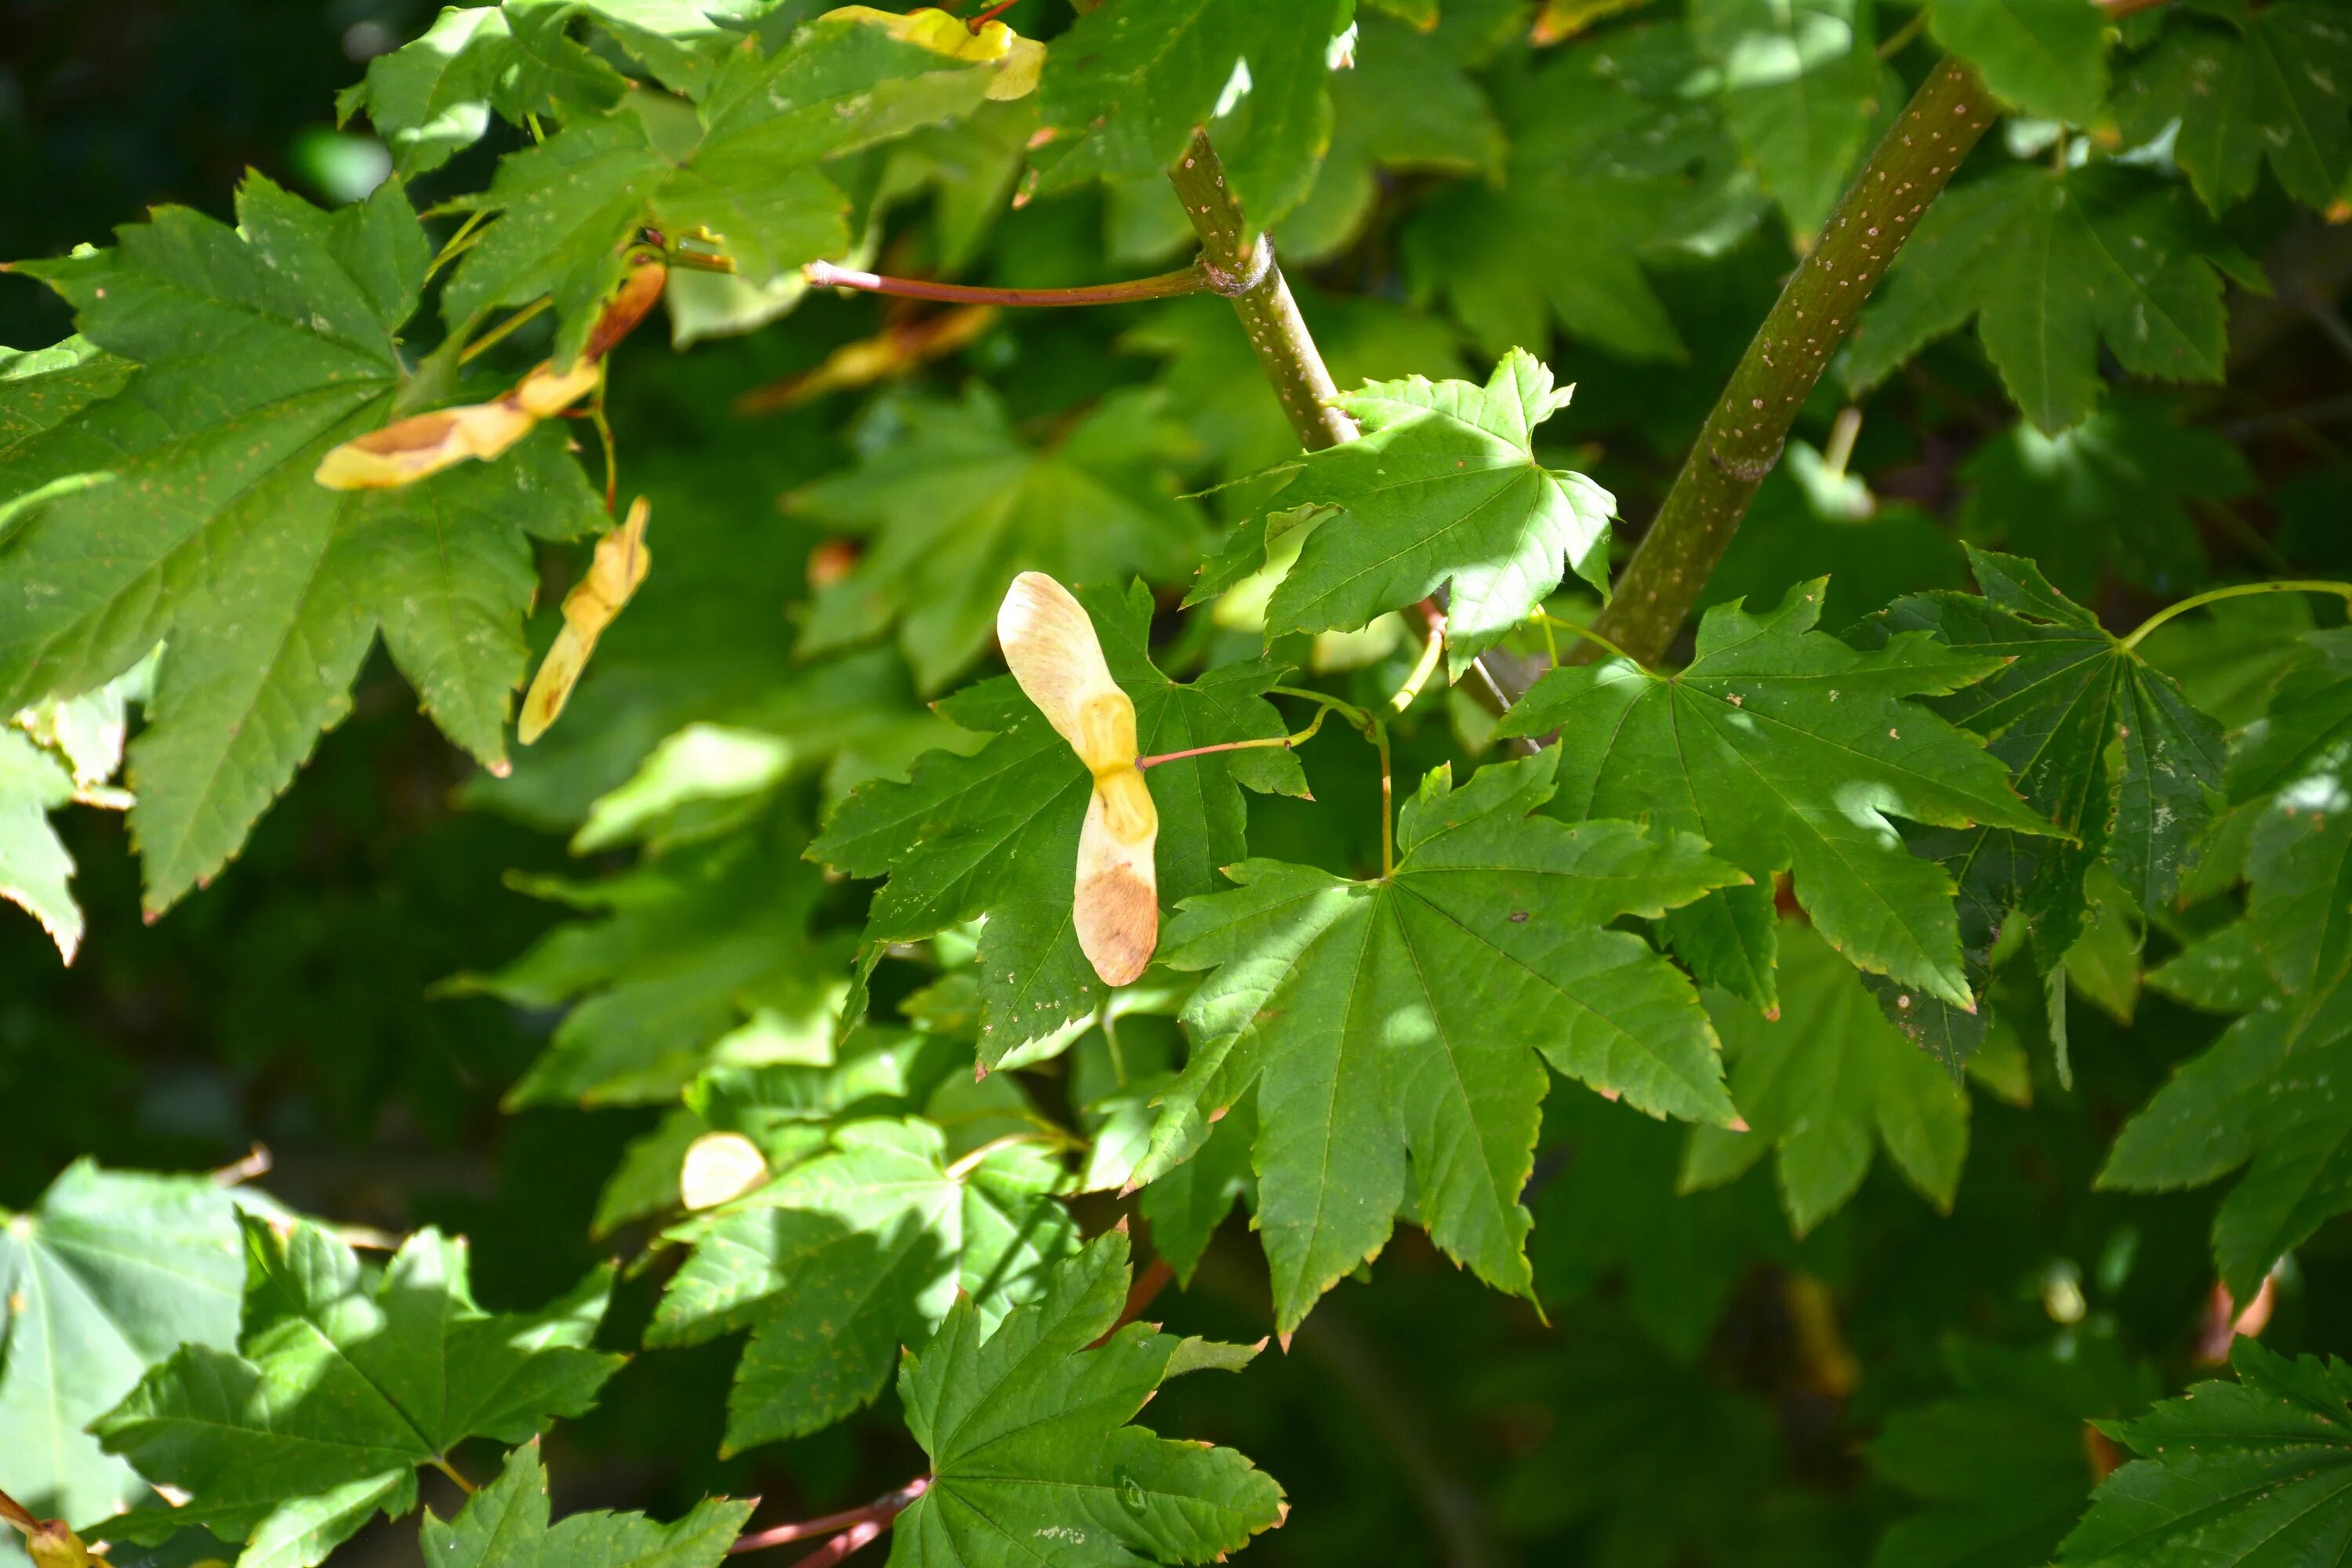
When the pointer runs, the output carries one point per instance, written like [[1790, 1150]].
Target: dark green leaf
[[1786, 750], [1396, 1031], [1032, 1457]]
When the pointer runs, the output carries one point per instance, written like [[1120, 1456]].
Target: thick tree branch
[[1243, 267], [1743, 436]]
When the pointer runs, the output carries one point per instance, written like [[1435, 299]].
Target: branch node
[[1257, 267]]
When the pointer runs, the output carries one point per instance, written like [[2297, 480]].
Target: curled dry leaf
[[411, 449], [1051, 644], [620, 564]]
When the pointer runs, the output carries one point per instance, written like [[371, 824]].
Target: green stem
[[1430, 649], [447, 1468], [1743, 436], [1347, 711], [1240, 264], [497, 334], [1387, 804], [459, 242], [2239, 590], [1161, 286], [1587, 633]]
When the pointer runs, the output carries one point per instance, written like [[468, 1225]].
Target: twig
[[256, 1164], [2236, 591], [1244, 264], [1742, 438], [1190, 280], [855, 1527]]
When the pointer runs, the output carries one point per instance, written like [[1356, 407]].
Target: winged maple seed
[[620, 564], [1051, 644]]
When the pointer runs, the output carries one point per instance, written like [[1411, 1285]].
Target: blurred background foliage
[[1699, 1387]]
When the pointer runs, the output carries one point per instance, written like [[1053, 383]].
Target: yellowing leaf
[[620, 564], [1050, 643]]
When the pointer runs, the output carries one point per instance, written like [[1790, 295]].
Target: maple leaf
[[1611, 165], [340, 1388], [995, 833], [2053, 267], [2267, 1094], [1786, 750], [743, 166], [108, 1274], [2047, 57], [2251, 1472], [504, 1525], [1823, 1085], [1395, 1031], [1800, 88], [2108, 493], [2068, 693], [260, 349], [1407, 105], [956, 505], [1125, 89], [1444, 489], [845, 1257], [2276, 86], [1031, 1456], [1999, 1463]]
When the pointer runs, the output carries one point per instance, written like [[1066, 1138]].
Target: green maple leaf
[[504, 1525], [1396, 1031], [2107, 493], [105, 1276], [2265, 1096], [1406, 105], [1801, 89], [704, 956], [34, 867], [742, 165], [260, 348], [2278, 87], [1126, 87], [1032, 1459], [2046, 57], [2000, 1464], [1611, 164], [1185, 1207], [1786, 750], [845, 1257], [43, 452], [340, 1387], [2067, 697], [432, 98], [956, 506], [2251, 1472], [1822, 1087], [996, 833], [1444, 490], [2052, 267]]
